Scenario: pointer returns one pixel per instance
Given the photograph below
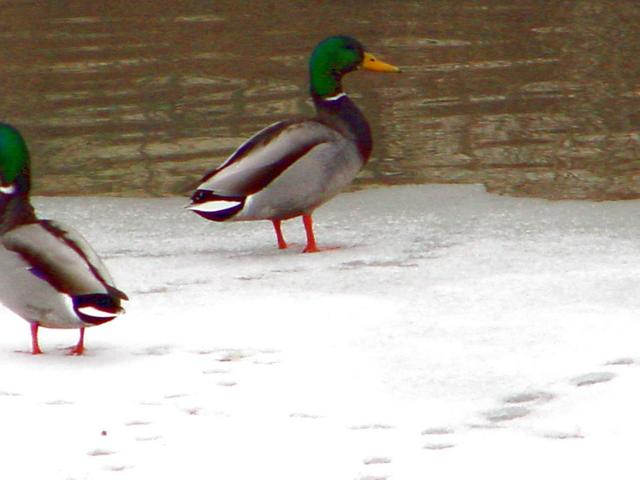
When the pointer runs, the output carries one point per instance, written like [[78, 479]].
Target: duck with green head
[[49, 275], [292, 167]]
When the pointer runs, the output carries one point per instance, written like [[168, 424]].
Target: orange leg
[[282, 244], [311, 239], [79, 348], [35, 348]]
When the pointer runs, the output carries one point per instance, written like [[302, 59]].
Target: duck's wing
[[60, 256], [263, 157]]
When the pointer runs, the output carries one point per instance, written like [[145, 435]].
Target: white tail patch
[[213, 206], [8, 189], [95, 312]]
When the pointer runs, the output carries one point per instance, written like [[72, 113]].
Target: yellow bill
[[372, 63]]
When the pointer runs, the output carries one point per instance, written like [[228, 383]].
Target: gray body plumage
[[299, 165], [34, 261]]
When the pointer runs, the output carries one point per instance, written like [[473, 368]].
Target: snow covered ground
[[453, 334]]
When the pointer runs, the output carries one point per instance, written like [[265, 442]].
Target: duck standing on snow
[[293, 166], [49, 275]]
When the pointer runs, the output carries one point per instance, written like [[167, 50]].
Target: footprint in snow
[[137, 423], [592, 378], [100, 452], [486, 426], [269, 360], [438, 446], [150, 438], [376, 460], [227, 383], [225, 354], [372, 462], [529, 397], [357, 264], [173, 396], [563, 435], [9, 394], [372, 426], [118, 468], [437, 431], [623, 362], [151, 291], [249, 278], [216, 371], [206, 352], [59, 402], [155, 350], [506, 414], [518, 405], [266, 362], [233, 356], [437, 437], [308, 416]]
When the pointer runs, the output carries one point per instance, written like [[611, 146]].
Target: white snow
[[452, 334]]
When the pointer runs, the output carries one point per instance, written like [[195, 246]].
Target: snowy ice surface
[[452, 334]]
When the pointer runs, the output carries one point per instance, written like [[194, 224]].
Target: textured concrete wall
[[534, 98]]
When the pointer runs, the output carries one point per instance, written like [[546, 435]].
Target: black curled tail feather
[[96, 308]]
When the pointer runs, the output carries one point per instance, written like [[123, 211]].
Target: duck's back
[[287, 169]]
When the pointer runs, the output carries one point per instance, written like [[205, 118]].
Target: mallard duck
[[49, 275], [291, 167]]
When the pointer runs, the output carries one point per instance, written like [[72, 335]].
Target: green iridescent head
[[14, 155], [335, 56]]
